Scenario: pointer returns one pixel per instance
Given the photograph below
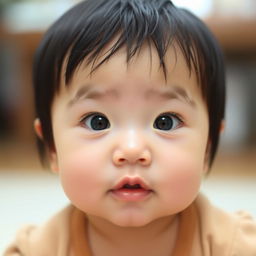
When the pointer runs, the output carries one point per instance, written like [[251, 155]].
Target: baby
[[130, 99]]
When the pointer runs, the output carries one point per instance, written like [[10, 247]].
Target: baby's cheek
[[182, 181], [186, 183], [80, 177]]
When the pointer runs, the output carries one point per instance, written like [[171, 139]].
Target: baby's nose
[[132, 149]]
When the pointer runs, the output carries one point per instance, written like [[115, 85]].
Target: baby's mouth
[[131, 189], [135, 186], [127, 188]]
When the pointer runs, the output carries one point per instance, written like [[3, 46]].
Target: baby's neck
[[156, 238]]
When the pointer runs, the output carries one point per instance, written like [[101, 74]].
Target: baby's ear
[[53, 161], [51, 152], [38, 128], [222, 126]]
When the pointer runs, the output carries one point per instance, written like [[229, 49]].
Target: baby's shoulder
[[223, 233], [244, 242], [38, 240]]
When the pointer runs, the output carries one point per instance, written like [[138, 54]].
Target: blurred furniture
[[24, 45], [237, 36]]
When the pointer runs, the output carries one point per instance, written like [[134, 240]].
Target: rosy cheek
[[186, 182], [181, 181], [80, 177]]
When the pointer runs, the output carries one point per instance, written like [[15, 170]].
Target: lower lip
[[131, 195]]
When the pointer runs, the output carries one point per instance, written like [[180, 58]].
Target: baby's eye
[[96, 122], [167, 122]]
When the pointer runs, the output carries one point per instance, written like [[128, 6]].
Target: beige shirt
[[204, 231]]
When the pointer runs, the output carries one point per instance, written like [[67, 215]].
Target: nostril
[[121, 157], [144, 161], [118, 158]]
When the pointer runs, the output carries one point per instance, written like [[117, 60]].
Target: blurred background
[[29, 194]]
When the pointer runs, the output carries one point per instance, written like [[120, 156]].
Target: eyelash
[[86, 116], [170, 114], [173, 115]]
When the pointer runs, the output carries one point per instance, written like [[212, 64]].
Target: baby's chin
[[136, 220], [131, 223]]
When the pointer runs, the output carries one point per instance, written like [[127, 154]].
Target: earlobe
[[38, 128], [222, 126], [53, 161], [51, 153]]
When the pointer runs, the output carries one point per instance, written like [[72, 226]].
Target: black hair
[[85, 30]]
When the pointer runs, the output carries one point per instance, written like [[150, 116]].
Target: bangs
[[132, 24]]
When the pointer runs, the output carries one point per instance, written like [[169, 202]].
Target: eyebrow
[[86, 92], [173, 92]]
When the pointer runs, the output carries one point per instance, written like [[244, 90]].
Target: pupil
[[99, 123], [164, 123]]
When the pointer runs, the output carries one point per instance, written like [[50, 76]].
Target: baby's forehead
[[116, 77], [146, 63]]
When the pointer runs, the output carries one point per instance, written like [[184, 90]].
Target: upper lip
[[131, 181]]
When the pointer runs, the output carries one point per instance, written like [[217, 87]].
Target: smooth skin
[[129, 121]]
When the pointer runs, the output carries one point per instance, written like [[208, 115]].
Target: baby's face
[[130, 145]]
